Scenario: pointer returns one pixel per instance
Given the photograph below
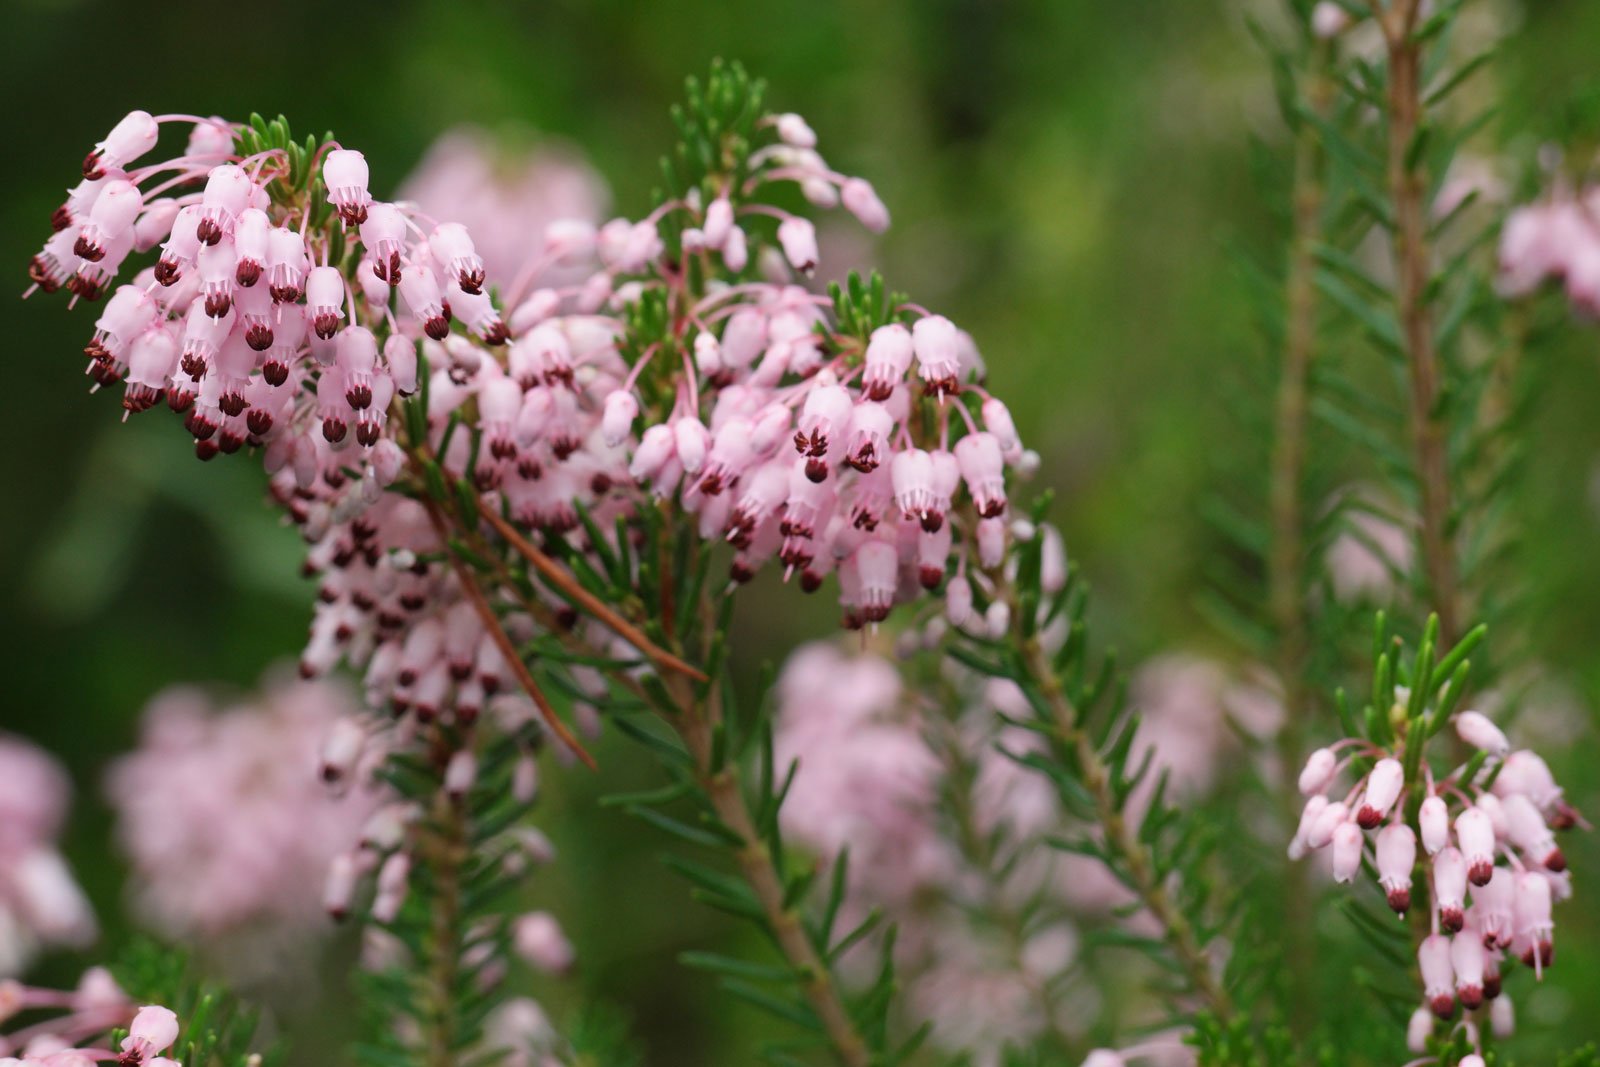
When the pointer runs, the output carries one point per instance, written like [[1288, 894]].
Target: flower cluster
[[80, 1016], [1490, 864], [871, 778], [227, 829], [40, 902], [1557, 238], [289, 310], [885, 774]]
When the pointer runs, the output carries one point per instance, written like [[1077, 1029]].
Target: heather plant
[[533, 486]]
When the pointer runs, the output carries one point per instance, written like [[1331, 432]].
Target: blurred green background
[[1067, 179]]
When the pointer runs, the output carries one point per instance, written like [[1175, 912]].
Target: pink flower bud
[[799, 240], [1525, 772], [134, 135], [1532, 922], [1397, 854], [1476, 730], [1383, 789], [958, 601], [718, 222], [983, 469], [1309, 814], [400, 356], [1328, 19], [228, 191], [1467, 960], [861, 200], [153, 1030], [1347, 847], [325, 294], [937, 346], [1434, 818], [1450, 888], [459, 773], [340, 886], [735, 252], [1329, 820], [569, 241], [344, 172], [1317, 774], [391, 890], [1526, 829], [457, 257], [342, 748], [1418, 1029], [538, 939], [1475, 835], [793, 130], [877, 566], [1438, 977], [621, 408], [1502, 1017]]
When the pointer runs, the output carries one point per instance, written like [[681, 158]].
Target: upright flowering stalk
[[1469, 853], [504, 487]]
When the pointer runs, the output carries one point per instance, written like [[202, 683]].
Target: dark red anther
[[91, 166], [233, 403], [275, 371], [205, 448], [258, 335], [259, 421], [471, 281], [334, 430], [247, 273], [218, 303], [367, 433], [168, 271], [61, 218], [497, 334], [326, 324], [359, 396], [87, 248], [208, 231], [39, 274]]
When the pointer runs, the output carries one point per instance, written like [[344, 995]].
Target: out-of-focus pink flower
[[867, 781], [40, 902], [1364, 559], [221, 811], [506, 197]]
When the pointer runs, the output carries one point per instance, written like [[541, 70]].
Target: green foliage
[[215, 1029]]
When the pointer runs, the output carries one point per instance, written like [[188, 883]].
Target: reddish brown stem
[[563, 580], [502, 640]]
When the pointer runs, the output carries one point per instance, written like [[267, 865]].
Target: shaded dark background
[[1066, 178]]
